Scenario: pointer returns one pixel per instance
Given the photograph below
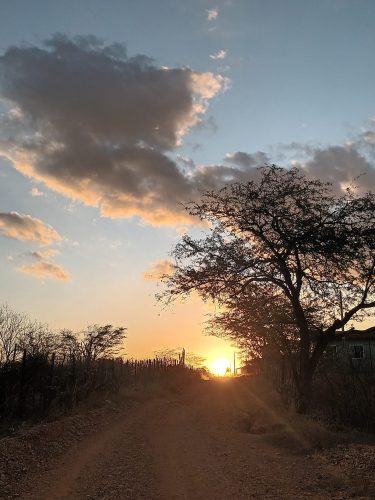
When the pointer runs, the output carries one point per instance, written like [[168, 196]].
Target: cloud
[[369, 137], [27, 228], [343, 166], [45, 269], [114, 245], [186, 161], [247, 160], [45, 254], [212, 14], [297, 148], [98, 126], [221, 54], [158, 269], [350, 164], [101, 127], [35, 192]]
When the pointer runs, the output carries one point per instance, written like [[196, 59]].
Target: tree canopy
[[277, 252], [93, 343]]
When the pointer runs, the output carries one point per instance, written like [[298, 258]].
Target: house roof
[[368, 334]]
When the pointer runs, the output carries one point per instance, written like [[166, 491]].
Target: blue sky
[[294, 80]]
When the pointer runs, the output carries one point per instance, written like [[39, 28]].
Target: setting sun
[[220, 367], [187, 249]]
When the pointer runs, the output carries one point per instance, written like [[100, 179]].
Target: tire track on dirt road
[[185, 445]]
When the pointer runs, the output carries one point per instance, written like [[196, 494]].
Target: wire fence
[[30, 386], [343, 389]]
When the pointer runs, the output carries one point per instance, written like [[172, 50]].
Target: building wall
[[347, 349]]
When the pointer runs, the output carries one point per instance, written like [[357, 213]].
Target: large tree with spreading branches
[[277, 253]]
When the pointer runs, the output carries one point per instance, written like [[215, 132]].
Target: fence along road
[[189, 444]]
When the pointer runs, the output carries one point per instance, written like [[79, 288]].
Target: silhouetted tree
[[278, 251], [101, 341], [191, 358], [37, 339], [93, 343], [18, 333], [69, 344], [271, 321], [11, 323]]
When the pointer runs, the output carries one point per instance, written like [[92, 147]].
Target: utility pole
[[341, 309]]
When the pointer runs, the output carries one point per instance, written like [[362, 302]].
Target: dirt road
[[217, 440]]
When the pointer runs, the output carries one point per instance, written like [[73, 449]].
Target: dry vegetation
[[181, 437], [80, 423], [45, 374]]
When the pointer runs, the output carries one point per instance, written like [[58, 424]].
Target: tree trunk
[[305, 374], [304, 391]]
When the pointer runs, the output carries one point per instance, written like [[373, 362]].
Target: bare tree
[[102, 341], [18, 332], [191, 358], [276, 253], [68, 344], [93, 343], [11, 323], [37, 338]]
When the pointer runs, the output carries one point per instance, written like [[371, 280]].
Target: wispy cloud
[[35, 192], [186, 161], [212, 14], [221, 54], [45, 254], [369, 137], [158, 269], [27, 228], [45, 269]]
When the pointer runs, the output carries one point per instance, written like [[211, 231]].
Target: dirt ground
[[213, 440]]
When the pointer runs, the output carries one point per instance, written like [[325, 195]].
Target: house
[[353, 349], [356, 348]]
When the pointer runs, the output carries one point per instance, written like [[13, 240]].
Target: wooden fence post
[[21, 394], [48, 398]]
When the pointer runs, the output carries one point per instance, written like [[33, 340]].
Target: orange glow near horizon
[[220, 367]]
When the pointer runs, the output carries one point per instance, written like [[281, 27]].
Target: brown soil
[[215, 440]]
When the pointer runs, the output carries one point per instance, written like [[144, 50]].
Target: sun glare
[[220, 367]]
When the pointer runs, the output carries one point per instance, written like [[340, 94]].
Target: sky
[[113, 113]]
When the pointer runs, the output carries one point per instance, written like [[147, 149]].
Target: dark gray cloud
[[213, 177], [83, 85], [343, 166], [97, 125], [247, 160]]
